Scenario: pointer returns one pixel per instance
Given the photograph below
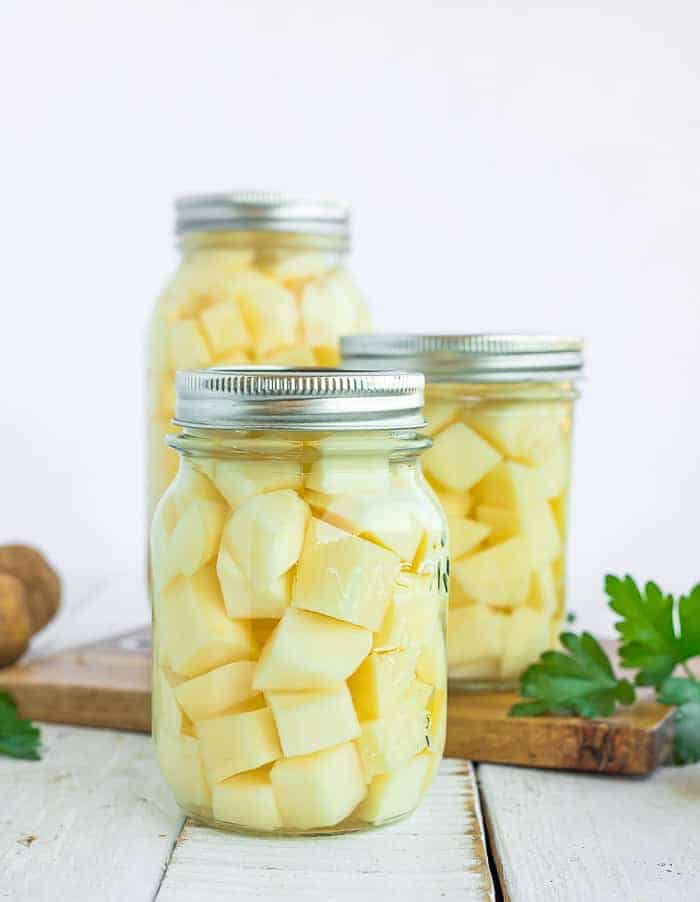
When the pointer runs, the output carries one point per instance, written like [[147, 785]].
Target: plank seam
[[177, 838]]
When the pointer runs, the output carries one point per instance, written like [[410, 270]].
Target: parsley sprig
[[658, 634], [18, 738]]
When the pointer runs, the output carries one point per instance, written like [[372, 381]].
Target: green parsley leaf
[[684, 693], [582, 682], [18, 738], [650, 643]]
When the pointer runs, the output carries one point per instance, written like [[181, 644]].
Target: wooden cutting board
[[107, 684]]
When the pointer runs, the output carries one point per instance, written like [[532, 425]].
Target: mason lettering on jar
[[299, 580], [261, 279], [500, 410]]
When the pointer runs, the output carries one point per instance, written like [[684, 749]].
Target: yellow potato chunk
[[455, 504], [224, 328], [459, 458], [195, 539], [411, 614], [387, 519], [237, 742], [213, 692], [559, 508], [239, 480], [318, 790], [437, 721], [265, 535], [329, 309], [180, 761], [170, 717], [465, 536], [317, 501], [498, 576], [310, 721], [388, 742], [391, 795], [504, 523], [307, 651], [197, 633], [301, 357], [247, 800], [305, 265], [244, 599], [344, 577], [438, 415], [188, 348], [269, 310], [475, 632], [380, 681], [528, 433], [552, 475], [431, 666], [341, 475], [543, 596], [527, 635]]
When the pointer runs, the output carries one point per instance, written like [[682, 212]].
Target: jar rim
[[263, 211], [478, 357], [298, 399]]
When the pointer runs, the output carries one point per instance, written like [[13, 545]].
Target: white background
[[511, 166]]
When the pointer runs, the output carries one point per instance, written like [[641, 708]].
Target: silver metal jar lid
[[468, 358], [265, 211], [299, 399]]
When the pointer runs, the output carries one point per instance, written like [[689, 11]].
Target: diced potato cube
[[198, 634], [237, 742], [164, 566], [455, 504], [465, 536], [508, 485], [391, 795], [498, 576], [438, 415], [411, 614], [310, 721], [530, 435], [306, 265], [213, 692], [388, 742], [341, 475], [195, 539], [317, 501], [543, 596], [552, 475], [170, 717], [188, 349], [504, 523], [559, 509], [239, 480], [438, 721], [269, 310], [265, 535], [181, 764], [431, 666], [459, 458], [329, 309], [527, 636], [387, 518], [247, 800], [244, 599], [380, 681], [224, 328], [327, 356], [475, 632], [344, 577], [307, 651], [301, 357], [318, 790]]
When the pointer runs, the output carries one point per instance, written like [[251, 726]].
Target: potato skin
[[40, 580], [15, 622]]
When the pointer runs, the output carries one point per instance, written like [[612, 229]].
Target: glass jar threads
[[299, 580], [499, 409], [261, 279]]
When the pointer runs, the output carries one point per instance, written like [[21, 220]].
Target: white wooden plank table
[[93, 822]]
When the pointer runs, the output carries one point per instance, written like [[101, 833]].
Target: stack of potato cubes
[[299, 652], [501, 472]]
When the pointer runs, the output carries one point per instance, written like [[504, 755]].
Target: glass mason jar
[[500, 410], [299, 589], [261, 279]]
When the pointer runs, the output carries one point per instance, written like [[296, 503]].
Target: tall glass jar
[[299, 580], [262, 279], [500, 412]]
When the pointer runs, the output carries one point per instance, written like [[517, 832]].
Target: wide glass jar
[[500, 411], [261, 278], [299, 588]]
